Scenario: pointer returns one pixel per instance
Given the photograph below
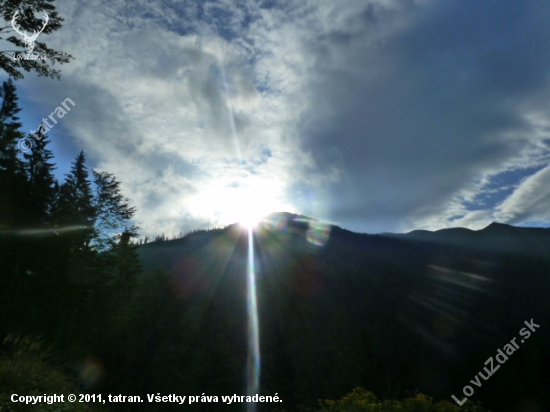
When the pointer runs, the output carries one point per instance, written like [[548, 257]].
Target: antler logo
[[29, 40]]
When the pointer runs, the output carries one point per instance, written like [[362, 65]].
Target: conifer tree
[[113, 212], [73, 217], [30, 18], [118, 258], [74, 211], [42, 183], [14, 262], [12, 189], [12, 177], [114, 232], [41, 244]]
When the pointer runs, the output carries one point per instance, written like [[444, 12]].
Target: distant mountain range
[[393, 313], [496, 237]]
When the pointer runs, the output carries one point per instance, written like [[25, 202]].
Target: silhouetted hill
[[392, 313], [496, 237]]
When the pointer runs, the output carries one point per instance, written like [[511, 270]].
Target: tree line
[[55, 234], [67, 252]]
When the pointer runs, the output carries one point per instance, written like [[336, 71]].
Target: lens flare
[[253, 363], [318, 233], [251, 221]]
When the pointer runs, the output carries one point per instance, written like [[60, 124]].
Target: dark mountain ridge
[[392, 313], [496, 237]]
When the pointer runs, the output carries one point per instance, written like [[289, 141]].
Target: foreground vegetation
[[361, 400], [29, 367]]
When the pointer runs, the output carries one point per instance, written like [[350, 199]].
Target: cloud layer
[[377, 115]]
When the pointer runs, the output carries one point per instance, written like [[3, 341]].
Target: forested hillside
[[390, 313]]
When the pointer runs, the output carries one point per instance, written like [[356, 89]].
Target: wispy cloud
[[380, 115]]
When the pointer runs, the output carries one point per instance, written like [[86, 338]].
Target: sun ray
[[253, 364]]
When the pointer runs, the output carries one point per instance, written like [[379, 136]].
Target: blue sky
[[382, 115]]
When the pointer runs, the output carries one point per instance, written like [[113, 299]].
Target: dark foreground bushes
[[29, 367], [361, 400]]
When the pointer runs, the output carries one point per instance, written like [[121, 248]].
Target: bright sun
[[250, 222], [246, 203]]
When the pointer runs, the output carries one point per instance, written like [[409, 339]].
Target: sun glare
[[245, 203], [251, 221]]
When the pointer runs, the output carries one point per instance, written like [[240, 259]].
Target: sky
[[376, 115]]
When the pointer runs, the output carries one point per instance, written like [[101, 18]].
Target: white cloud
[[178, 118], [530, 202], [379, 115]]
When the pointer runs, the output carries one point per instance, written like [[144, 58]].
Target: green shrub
[[29, 367], [361, 400]]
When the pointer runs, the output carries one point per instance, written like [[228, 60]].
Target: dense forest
[[66, 257], [391, 313]]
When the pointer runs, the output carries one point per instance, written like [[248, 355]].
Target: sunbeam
[[230, 110], [253, 364]]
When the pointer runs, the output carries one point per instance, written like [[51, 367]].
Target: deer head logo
[[29, 40]]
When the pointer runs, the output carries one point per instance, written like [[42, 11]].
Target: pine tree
[[26, 20], [13, 185], [114, 231], [120, 263], [73, 217], [113, 211], [12, 176], [42, 183], [74, 213], [42, 246]]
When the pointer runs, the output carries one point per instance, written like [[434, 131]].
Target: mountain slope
[[496, 237], [392, 313]]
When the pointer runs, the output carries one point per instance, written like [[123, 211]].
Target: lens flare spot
[[318, 233], [91, 373]]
